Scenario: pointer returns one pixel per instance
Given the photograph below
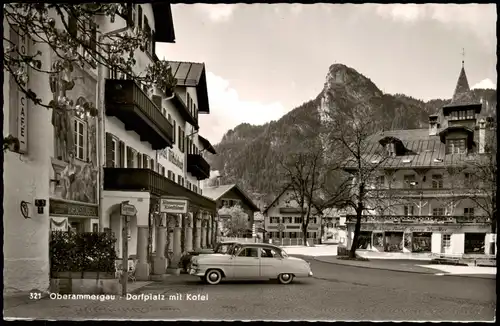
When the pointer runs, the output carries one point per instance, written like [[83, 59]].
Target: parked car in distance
[[248, 261], [219, 248]]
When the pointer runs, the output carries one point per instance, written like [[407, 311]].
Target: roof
[[429, 151], [192, 74], [164, 25], [215, 193], [463, 95], [276, 199], [206, 144]]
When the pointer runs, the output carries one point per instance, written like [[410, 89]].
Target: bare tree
[[352, 138], [480, 182], [70, 33]]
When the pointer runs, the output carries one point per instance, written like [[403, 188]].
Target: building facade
[[432, 184], [227, 196], [283, 222], [72, 170]]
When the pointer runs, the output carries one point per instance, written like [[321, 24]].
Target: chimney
[[433, 125], [482, 134]]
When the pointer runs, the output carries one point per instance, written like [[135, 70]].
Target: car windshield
[[223, 248]]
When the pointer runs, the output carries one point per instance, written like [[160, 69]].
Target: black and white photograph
[[249, 162]]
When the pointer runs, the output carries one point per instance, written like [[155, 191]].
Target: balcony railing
[[127, 101], [184, 111], [423, 219], [423, 192], [198, 166], [146, 179]]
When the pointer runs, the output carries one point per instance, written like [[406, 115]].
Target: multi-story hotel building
[[427, 186], [283, 223], [53, 178]]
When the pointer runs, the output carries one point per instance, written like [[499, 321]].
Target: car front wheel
[[285, 278], [213, 277]]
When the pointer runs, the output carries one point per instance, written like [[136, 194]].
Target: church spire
[[463, 94]]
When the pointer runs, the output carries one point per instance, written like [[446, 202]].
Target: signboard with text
[[173, 205], [421, 228], [22, 113], [127, 210]]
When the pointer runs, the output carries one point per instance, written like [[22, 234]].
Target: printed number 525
[[35, 295]]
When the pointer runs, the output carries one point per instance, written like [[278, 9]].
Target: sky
[[264, 60]]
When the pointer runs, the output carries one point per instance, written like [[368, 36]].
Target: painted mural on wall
[[74, 162]]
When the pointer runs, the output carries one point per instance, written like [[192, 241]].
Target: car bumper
[[196, 272]]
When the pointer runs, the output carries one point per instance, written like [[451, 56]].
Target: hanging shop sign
[[173, 205]]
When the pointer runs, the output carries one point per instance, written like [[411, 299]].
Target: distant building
[[284, 224], [429, 177], [229, 196]]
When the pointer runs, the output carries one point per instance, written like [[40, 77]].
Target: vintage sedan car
[[220, 248], [250, 261]]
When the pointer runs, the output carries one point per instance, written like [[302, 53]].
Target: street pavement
[[336, 292]]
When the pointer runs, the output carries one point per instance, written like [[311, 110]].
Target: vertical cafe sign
[[22, 113]]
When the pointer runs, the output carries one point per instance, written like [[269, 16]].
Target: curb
[[405, 271]]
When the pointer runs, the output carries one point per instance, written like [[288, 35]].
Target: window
[[139, 160], [469, 211], [269, 253], [314, 220], [188, 185], [145, 161], [455, 146], [409, 181], [287, 219], [249, 252], [298, 220], [111, 151], [446, 240], [469, 179], [95, 227], [169, 174], [80, 139], [131, 157], [173, 176], [437, 181], [195, 189], [179, 179], [438, 211], [162, 170], [380, 181], [274, 219], [390, 149], [174, 124], [409, 210]]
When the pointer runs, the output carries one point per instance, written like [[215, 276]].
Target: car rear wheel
[[285, 278], [213, 276]]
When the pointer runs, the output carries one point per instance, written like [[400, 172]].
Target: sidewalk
[[413, 266], [316, 251]]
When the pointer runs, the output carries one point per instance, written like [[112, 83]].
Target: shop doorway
[[365, 240], [393, 241], [421, 241], [474, 243]]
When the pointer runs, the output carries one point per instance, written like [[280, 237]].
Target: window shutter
[[110, 160], [139, 17], [179, 143], [174, 130], [153, 43], [122, 154], [93, 38], [157, 101], [130, 15], [72, 26]]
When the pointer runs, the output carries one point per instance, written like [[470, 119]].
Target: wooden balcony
[[295, 210], [125, 100], [123, 179], [184, 111], [423, 192], [198, 166], [424, 219]]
